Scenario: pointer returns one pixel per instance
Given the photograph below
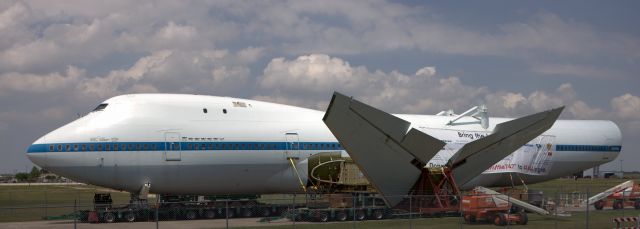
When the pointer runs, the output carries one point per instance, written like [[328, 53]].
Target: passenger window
[[92, 147], [189, 146], [146, 147], [154, 147], [75, 147], [138, 147], [196, 146], [84, 147], [210, 146], [99, 147], [115, 147], [50, 147], [107, 147]]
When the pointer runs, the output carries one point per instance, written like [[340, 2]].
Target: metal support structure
[[480, 113], [293, 165]]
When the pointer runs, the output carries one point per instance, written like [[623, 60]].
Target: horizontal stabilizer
[[477, 156], [389, 154]]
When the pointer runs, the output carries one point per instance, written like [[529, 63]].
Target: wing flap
[[477, 156]]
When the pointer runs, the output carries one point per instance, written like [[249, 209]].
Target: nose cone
[[37, 153]]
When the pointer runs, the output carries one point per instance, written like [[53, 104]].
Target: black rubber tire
[[524, 219], [377, 214], [360, 215], [247, 212], [470, 218], [618, 205], [210, 214], [599, 205], [265, 212], [231, 213], [109, 217], [130, 217], [341, 216], [190, 215], [322, 216], [500, 219]]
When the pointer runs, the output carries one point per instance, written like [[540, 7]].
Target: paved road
[[192, 224]]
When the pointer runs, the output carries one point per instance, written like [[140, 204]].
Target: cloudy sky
[[61, 59]]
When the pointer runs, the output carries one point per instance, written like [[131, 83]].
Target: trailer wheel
[[190, 215], [470, 218], [524, 219], [265, 212], [618, 204], [247, 212], [341, 216], [598, 205], [500, 219], [109, 217], [209, 214], [130, 217], [360, 215], [377, 214], [322, 216], [231, 212]]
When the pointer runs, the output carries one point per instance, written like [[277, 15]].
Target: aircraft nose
[[37, 154]]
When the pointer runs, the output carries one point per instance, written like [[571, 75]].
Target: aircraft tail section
[[392, 155], [389, 154], [475, 157]]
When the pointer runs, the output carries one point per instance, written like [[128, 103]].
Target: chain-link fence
[[555, 207]]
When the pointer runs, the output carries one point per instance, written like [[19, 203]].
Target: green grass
[[592, 186], [28, 203]]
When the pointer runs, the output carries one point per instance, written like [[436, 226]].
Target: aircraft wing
[[475, 157], [389, 154]]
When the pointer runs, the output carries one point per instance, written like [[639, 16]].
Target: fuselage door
[[292, 148], [172, 151]]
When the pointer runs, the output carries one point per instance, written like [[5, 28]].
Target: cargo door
[[172, 151]]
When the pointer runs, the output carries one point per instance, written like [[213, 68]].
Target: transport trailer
[[105, 211], [341, 207], [176, 207], [219, 206]]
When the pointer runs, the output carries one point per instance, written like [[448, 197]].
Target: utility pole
[[621, 172]]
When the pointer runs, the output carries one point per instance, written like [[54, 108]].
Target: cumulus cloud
[[75, 53], [315, 76], [626, 107], [20, 82]]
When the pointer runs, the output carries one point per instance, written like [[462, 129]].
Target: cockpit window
[[101, 107]]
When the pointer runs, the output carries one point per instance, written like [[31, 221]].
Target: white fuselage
[[194, 144]]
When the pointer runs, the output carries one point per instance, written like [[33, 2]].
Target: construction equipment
[[480, 206], [626, 194], [492, 206], [511, 200]]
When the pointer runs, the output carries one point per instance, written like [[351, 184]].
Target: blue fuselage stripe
[[212, 146], [180, 146]]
